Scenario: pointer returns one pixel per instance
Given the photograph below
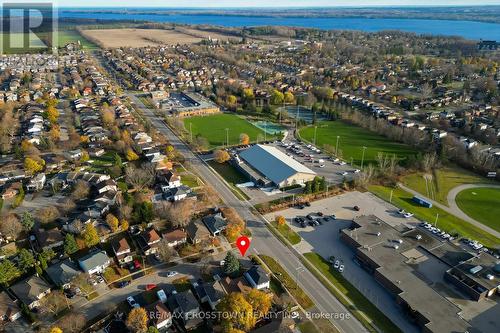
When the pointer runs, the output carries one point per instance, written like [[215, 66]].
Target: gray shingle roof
[[273, 163]]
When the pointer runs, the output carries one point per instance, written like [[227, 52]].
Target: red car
[[150, 287], [137, 264]]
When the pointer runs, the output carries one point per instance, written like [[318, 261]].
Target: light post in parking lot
[[337, 147], [436, 221], [363, 157]]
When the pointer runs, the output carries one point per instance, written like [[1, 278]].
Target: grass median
[[287, 232], [361, 303], [446, 222]]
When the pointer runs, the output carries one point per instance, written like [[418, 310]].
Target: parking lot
[[334, 170], [324, 240]]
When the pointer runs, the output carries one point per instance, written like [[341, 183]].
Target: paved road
[[453, 209], [263, 241]]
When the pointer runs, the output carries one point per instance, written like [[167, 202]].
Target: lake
[[466, 29]]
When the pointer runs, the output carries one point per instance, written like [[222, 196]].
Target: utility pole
[[363, 157], [436, 221], [337, 147], [390, 198]]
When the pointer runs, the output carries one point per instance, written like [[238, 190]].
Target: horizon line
[[282, 7]]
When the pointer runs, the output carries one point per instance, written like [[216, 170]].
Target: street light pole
[[191, 130], [363, 157], [227, 137], [390, 199], [436, 221], [315, 129], [337, 147]]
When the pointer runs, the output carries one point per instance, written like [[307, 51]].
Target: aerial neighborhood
[[363, 169]]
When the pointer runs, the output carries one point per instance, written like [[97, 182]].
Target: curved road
[[453, 209]]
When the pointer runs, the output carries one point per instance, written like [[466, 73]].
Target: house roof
[[238, 285], [256, 275], [175, 235], [63, 272], [158, 313], [150, 236], [28, 289], [8, 306], [184, 302], [93, 260], [48, 237], [197, 230], [214, 223], [273, 163], [121, 245]]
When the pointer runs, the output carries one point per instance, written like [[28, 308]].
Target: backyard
[[213, 128], [352, 139]]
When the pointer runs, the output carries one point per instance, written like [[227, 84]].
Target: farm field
[[63, 37], [213, 128], [441, 181], [112, 38], [482, 204], [352, 139], [446, 222]]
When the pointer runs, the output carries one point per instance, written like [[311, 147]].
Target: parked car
[[341, 268], [311, 223], [162, 296], [336, 265], [174, 273], [308, 204], [150, 286], [137, 264], [303, 224], [333, 217], [408, 215], [319, 213], [356, 208], [122, 284], [331, 259], [131, 301]]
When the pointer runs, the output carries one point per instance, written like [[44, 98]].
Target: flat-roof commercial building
[[188, 104], [266, 165], [397, 260]]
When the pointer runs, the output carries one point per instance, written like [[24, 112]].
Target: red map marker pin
[[243, 243]]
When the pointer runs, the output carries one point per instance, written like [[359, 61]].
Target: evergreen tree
[[26, 260], [70, 245], [231, 265]]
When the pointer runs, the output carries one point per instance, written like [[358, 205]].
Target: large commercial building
[[268, 166], [188, 104], [416, 267]]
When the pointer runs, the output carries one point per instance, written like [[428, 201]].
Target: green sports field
[[213, 128], [482, 204], [352, 139]]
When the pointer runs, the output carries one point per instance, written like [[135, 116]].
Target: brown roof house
[[9, 309], [148, 241], [159, 316], [197, 232], [175, 237], [49, 239], [122, 251], [31, 290]]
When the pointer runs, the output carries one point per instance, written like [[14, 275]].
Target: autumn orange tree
[[137, 320], [280, 220], [241, 314], [244, 139], [112, 222], [221, 156]]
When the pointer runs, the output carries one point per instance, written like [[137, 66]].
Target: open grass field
[[63, 37], [213, 128], [352, 139], [447, 222], [441, 181], [347, 289], [482, 204], [232, 176]]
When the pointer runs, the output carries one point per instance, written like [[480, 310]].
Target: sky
[[265, 3]]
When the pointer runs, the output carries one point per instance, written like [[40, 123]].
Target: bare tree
[[364, 178], [81, 190], [141, 177], [72, 322], [54, 302], [48, 214], [165, 252], [177, 214], [10, 226]]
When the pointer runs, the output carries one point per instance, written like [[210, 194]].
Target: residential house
[[31, 290], [11, 190], [49, 238], [211, 293], [36, 183], [159, 316], [94, 262], [257, 277], [175, 237], [237, 285], [185, 307], [122, 251], [63, 273], [148, 241], [74, 154], [215, 223], [197, 232], [107, 185], [169, 180], [9, 309]]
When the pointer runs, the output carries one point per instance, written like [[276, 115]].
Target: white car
[[408, 215], [172, 273], [401, 211], [161, 295], [343, 173], [322, 166], [337, 264], [341, 268], [342, 163], [131, 301], [356, 171]]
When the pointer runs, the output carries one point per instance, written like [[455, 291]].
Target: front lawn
[[482, 204], [446, 222]]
